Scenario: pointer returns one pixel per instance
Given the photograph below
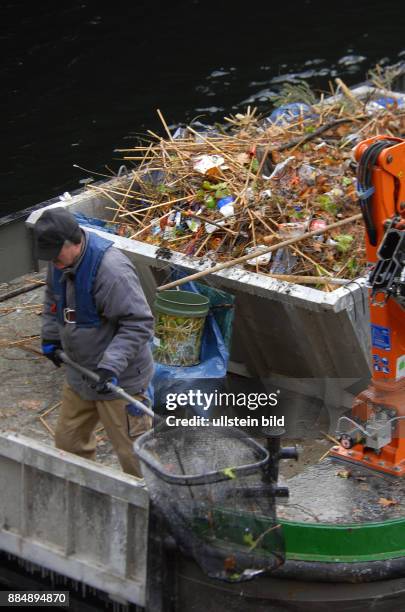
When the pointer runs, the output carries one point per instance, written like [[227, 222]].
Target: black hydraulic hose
[[365, 186]]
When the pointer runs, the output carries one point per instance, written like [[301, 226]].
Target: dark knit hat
[[54, 226]]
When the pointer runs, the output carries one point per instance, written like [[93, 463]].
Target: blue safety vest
[[86, 312]]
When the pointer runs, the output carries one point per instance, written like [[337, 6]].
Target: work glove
[[49, 350], [145, 398], [142, 422], [133, 410], [106, 376]]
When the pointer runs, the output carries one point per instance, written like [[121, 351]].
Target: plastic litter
[[208, 164], [317, 224], [291, 230], [193, 224], [262, 260], [283, 262], [65, 197], [278, 170], [307, 174], [225, 206], [286, 113]]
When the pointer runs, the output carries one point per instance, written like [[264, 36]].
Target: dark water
[[79, 79]]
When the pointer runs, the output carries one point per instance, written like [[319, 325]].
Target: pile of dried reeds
[[276, 180]]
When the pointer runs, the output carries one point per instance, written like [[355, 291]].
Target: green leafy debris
[[353, 267], [248, 539], [344, 242], [327, 204], [230, 473], [295, 92]]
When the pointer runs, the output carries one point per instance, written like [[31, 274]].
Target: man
[[95, 310]]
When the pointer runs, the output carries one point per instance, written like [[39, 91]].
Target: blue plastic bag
[[286, 113], [387, 101], [93, 222]]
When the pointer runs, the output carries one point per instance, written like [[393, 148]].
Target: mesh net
[[211, 485]]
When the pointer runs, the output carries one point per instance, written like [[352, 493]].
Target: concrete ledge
[[74, 517]]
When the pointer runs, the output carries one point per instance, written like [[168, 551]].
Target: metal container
[[280, 328]]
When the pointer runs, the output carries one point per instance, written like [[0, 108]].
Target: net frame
[[207, 477], [189, 501]]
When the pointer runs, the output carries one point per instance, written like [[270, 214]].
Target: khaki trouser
[[78, 419]]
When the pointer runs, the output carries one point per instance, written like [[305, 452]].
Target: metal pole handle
[[113, 388]]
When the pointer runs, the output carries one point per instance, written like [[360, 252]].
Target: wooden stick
[[176, 148], [134, 149], [137, 157], [308, 280], [8, 344], [38, 282], [257, 253], [20, 307], [263, 160], [330, 438], [132, 215], [10, 294], [296, 249], [188, 237], [202, 245], [254, 237], [296, 142], [51, 409], [188, 214], [119, 207], [324, 455], [92, 171], [349, 94], [179, 179], [125, 196], [164, 124], [154, 135], [242, 194], [159, 205], [149, 226], [110, 190], [45, 424], [149, 149]]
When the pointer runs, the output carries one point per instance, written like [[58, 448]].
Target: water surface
[[80, 79]]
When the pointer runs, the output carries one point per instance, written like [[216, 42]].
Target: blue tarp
[[93, 222]]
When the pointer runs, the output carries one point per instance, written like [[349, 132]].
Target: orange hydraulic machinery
[[375, 435]]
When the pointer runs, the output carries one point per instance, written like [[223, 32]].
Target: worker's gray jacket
[[122, 342]]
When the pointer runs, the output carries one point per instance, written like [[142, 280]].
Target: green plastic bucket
[[180, 318]]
